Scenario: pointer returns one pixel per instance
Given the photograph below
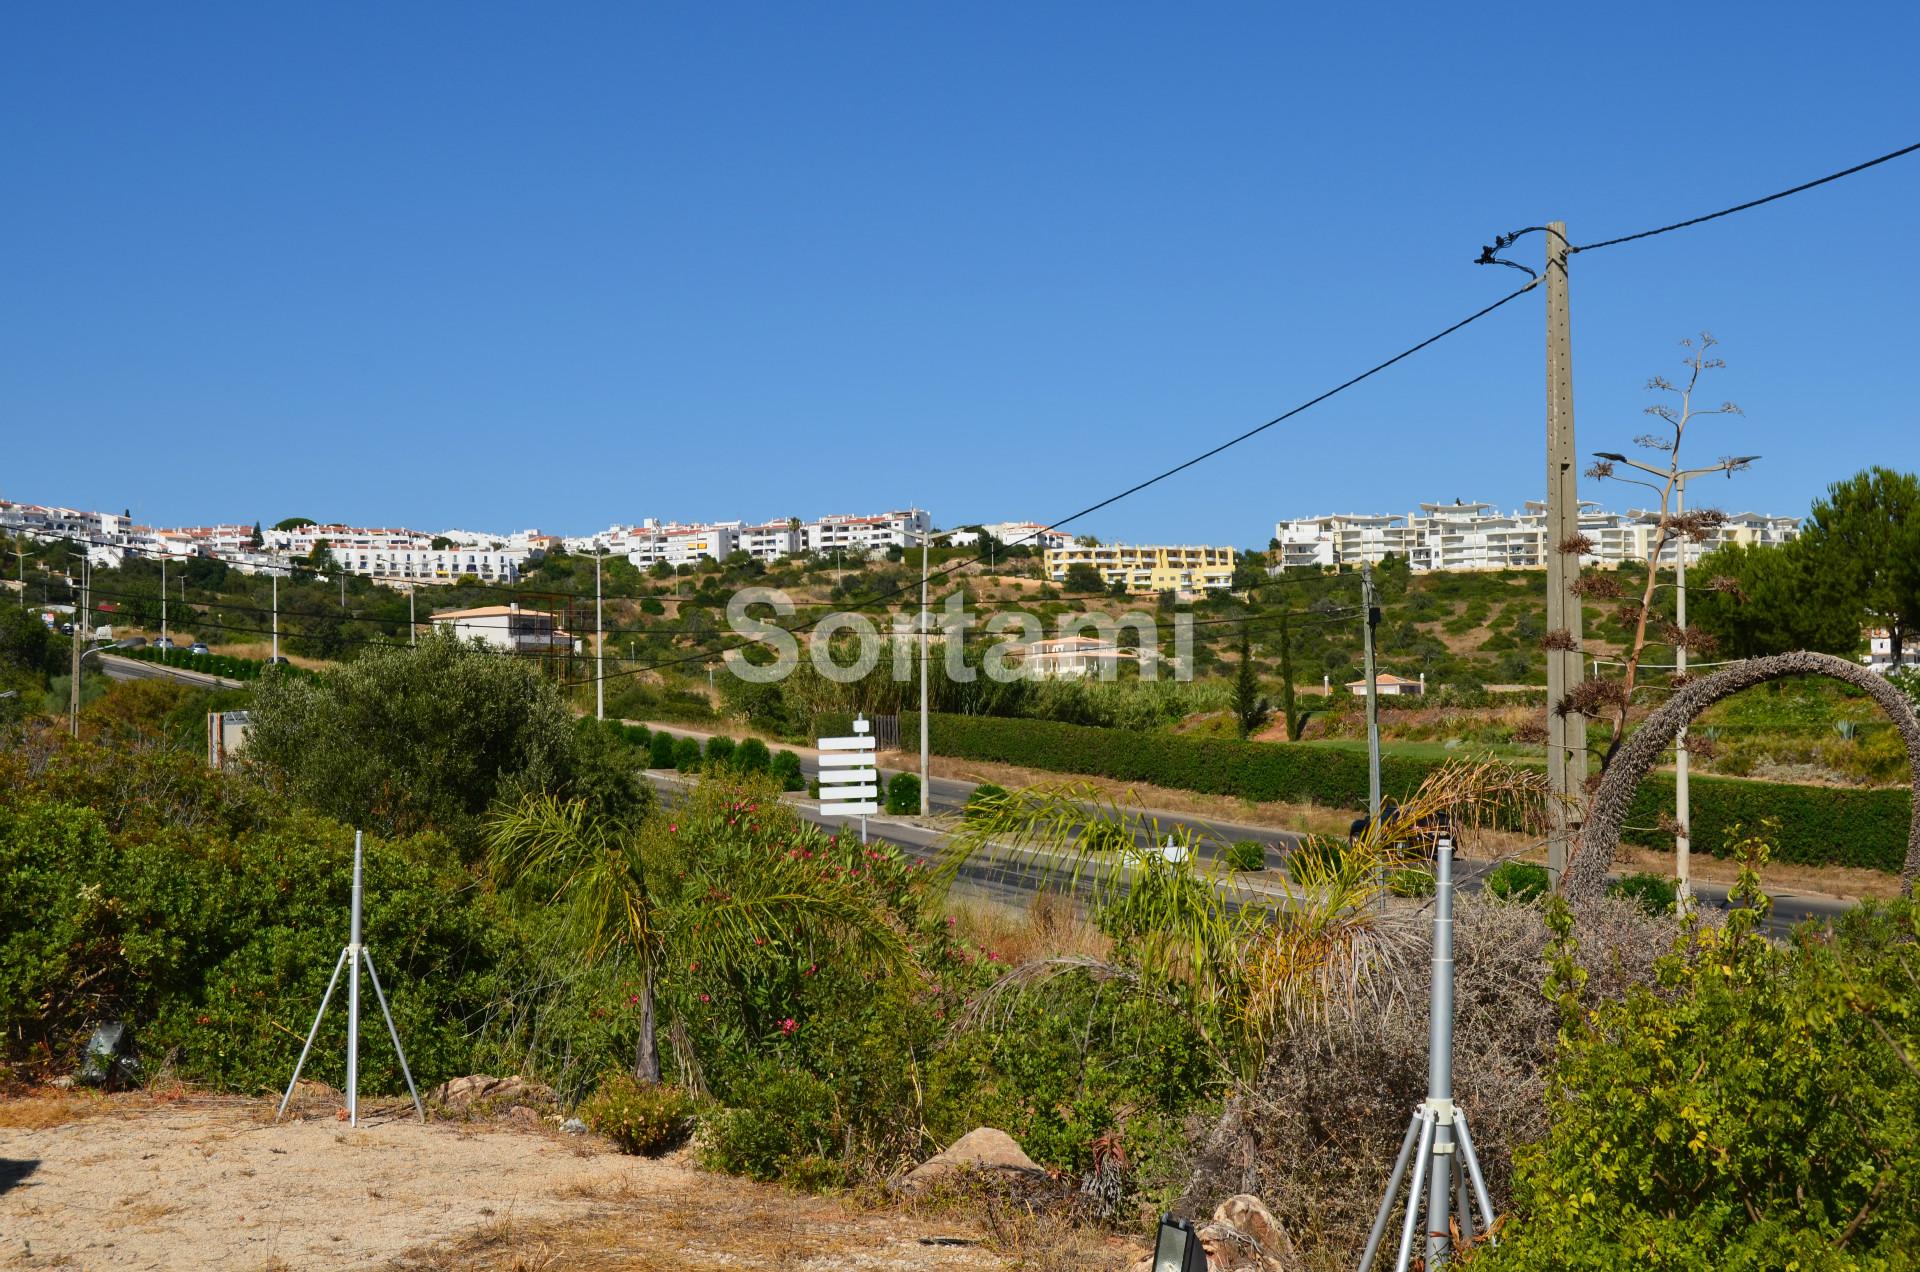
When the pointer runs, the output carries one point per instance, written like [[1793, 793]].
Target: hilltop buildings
[[1477, 536]]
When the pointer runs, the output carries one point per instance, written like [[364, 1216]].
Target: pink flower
[[789, 1025], [633, 1000], [706, 998], [693, 967], [812, 968], [673, 828]]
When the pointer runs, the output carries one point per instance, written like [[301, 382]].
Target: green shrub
[[752, 756], [978, 798], [1411, 883], [1518, 881], [639, 1117], [1876, 818], [638, 736], [660, 747], [1756, 1111], [720, 751], [785, 1118], [1246, 854], [903, 793], [1653, 893], [1314, 858], [786, 766], [686, 755]]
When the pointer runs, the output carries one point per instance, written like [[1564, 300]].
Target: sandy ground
[[213, 1183]]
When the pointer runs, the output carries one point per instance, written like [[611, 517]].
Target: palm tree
[[731, 881]]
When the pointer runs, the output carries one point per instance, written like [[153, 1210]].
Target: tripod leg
[[1473, 1171], [1393, 1187], [1461, 1208], [393, 1033], [311, 1034], [1422, 1158]]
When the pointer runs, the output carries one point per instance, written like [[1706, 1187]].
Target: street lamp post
[[926, 545], [1676, 479]]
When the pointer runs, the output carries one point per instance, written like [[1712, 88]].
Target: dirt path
[[212, 1183]]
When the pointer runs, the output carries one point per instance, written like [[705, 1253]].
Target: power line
[[1134, 489], [1504, 241]]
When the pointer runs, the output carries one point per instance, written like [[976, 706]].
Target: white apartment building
[[650, 544], [1477, 536], [505, 627], [1026, 534], [1341, 539], [432, 565], [41, 521], [300, 540], [772, 541], [867, 535]]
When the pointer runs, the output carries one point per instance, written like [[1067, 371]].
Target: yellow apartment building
[[1148, 567]]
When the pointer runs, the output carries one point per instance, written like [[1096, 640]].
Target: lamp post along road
[[1676, 479], [1368, 618], [600, 645]]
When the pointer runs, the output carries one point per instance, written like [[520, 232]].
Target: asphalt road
[[1015, 884], [118, 668]]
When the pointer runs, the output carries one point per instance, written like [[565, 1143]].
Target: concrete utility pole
[[276, 613], [413, 627], [1371, 616], [599, 647], [1566, 734], [163, 594]]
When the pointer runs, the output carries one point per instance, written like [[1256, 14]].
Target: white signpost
[[849, 782]]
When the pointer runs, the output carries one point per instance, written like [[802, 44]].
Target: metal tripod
[[1437, 1141], [353, 955]]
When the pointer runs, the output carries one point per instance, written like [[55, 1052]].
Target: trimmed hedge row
[[211, 664], [1819, 825]]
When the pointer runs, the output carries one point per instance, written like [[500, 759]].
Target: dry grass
[[1049, 927], [731, 1225], [43, 1109]]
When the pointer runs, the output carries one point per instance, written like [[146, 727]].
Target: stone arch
[[1586, 874]]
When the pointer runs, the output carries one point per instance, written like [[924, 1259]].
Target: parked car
[[279, 660], [165, 642], [66, 629], [198, 648], [133, 642]]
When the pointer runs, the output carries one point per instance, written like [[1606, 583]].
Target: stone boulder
[[981, 1151], [481, 1095]]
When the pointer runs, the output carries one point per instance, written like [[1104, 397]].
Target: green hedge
[[211, 664], [1819, 825]]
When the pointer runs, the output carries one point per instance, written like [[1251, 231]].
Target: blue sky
[[500, 266]]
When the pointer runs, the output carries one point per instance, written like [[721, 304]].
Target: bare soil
[[133, 1181]]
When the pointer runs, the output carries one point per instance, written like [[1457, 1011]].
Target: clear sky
[[500, 266]]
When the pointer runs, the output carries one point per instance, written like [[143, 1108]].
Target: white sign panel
[[849, 782]]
